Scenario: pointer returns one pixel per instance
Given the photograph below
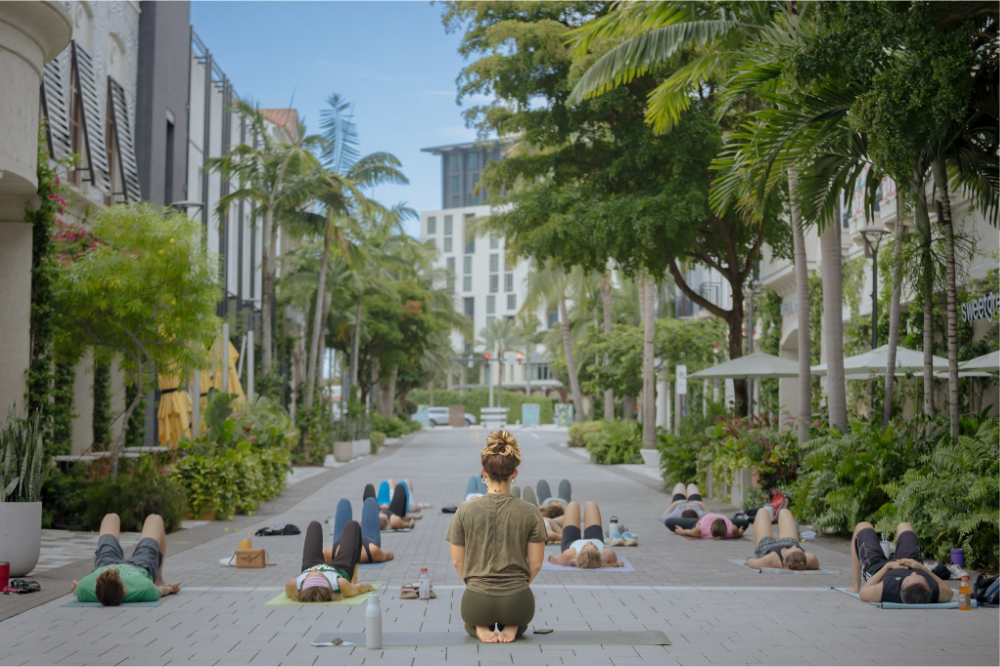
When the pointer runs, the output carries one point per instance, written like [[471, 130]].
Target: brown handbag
[[250, 558]]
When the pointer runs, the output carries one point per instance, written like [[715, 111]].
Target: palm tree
[[529, 330], [498, 337], [269, 173], [608, 326]]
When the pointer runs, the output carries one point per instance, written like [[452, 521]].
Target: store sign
[[979, 309], [682, 380]]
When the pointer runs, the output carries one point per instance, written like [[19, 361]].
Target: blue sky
[[393, 60]]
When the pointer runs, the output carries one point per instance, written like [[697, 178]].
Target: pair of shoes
[[411, 592], [628, 539], [615, 539], [956, 571]]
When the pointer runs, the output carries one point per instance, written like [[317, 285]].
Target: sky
[[393, 60]]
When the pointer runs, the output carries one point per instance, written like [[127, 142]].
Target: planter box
[[343, 451], [742, 484], [20, 536], [651, 457], [207, 516], [362, 447]]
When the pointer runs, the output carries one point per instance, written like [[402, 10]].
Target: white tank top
[[330, 573], [578, 544]]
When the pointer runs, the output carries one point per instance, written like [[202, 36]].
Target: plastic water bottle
[[886, 546], [964, 595], [373, 622], [425, 584]]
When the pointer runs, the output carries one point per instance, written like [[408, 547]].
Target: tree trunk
[[127, 417], [833, 323], [943, 203], [430, 389], [356, 342], [500, 379], [574, 379], [802, 294], [648, 368], [923, 224], [609, 394], [894, 308], [628, 410], [267, 280], [318, 322], [327, 302]]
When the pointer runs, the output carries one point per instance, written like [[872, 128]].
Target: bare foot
[[486, 635], [508, 634], [388, 555]]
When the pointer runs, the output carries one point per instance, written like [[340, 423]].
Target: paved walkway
[[714, 612]]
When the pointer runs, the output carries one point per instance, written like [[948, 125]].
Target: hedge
[[477, 399]]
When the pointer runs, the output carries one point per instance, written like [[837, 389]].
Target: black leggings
[[502, 610], [348, 557], [680, 496], [571, 534], [369, 493], [398, 504]]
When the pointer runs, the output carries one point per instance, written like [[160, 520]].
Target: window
[[553, 318], [455, 163], [511, 302], [467, 265], [540, 372], [508, 263], [494, 283], [491, 304], [508, 282], [447, 225], [470, 237], [473, 161], [467, 284], [432, 225], [470, 306], [168, 163], [447, 244], [494, 263], [456, 201], [453, 183], [451, 274], [494, 243], [489, 320]]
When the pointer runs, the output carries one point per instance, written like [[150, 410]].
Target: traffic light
[[520, 358], [486, 357]]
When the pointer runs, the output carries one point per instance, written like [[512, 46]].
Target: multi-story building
[[486, 283]]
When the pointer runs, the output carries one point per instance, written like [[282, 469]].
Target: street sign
[[682, 379]]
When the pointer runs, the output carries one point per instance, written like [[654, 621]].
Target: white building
[[485, 282]]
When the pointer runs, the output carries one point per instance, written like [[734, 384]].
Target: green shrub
[[134, 496], [578, 432], [678, 458], [377, 439], [235, 480], [475, 400], [615, 442], [393, 427]]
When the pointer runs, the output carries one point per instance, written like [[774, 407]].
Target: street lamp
[[873, 237]]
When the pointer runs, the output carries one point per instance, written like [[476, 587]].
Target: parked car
[[440, 417]]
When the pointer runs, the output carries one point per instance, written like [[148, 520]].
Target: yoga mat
[[951, 604], [460, 638], [371, 566], [626, 567], [401, 530], [778, 570], [283, 601], [77, 603]]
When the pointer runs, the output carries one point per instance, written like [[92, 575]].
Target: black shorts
[[693, 497], [571, 534], [146, 554], [872, 557]]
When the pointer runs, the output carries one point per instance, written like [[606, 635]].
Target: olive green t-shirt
[[495, 530]]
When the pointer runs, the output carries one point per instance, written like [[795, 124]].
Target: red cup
[[4, 575]]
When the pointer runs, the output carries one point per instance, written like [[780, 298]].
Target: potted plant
[[23, 469]]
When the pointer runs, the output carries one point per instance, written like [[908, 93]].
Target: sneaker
[[615, 538], [628, 539], [956, 571]]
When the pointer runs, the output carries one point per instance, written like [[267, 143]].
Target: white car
[[440, 417]]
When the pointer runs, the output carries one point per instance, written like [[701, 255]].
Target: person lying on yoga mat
[[585, 551], [117, 579], [475, 488], [545, 497], [553, 524], [712, 527], [497, 546], [783, 551], [326, 582], [904, 580], [395, 515], [371, 537], [686, 504]]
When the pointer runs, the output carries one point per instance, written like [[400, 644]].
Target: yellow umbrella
[[234, 380], [175, 404]]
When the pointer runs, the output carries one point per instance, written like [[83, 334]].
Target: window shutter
[[54, 108], [124, 143], [95, 152]]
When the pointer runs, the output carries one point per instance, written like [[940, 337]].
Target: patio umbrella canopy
[[756, 365], [989, 362], [876, 361], [175, 404]]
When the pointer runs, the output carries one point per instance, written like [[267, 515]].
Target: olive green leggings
[[487, 610]]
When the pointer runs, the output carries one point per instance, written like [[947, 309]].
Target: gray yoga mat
[[778, 570], [460, 638]]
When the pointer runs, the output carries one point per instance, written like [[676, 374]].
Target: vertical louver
[[124, 144], [54, 109], [94, 162]]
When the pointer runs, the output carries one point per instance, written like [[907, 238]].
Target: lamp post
[[873, 237]]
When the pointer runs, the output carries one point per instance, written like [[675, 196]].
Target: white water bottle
[[373, 622], [425, 584]]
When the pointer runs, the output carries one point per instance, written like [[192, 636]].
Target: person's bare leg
[[508, 634], [153, 528], [692, 489], [571, 516], [903, 527], [762, 526], [591, 515], [111, 525], [855, 562], [786, 525], [486, 635], [679, 488]]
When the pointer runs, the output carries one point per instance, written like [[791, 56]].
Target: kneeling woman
[[323, 582], [584, 550], [497, 546]]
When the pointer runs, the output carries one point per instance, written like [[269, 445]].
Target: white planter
[[343, 451], [651, 457], [362, 448], [20, 536]]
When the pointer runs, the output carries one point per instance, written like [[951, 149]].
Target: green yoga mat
[[951, 604], [460, 638], [283, 600]]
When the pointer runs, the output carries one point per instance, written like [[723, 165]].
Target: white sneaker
[[956, 571]]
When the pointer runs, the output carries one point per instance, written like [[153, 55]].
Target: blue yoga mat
[[952, 604], [370, 566]]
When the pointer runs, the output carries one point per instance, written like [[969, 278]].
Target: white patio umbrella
[[989, 362], [756, 365], [875, 361]]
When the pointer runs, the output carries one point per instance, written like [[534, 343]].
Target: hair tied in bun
[[501, 456]]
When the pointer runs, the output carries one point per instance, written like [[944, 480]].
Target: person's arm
[[567, 558], [72, 589], [169, 589], [349, 590], [877, 577], [458, 559], [812, 561], [610, 558], [690, 532], [944, 590], [672, 507], [291, 590], [536, 554], [871, 594], [737, 531], [770, 560]]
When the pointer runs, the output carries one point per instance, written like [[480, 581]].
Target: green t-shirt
[[495, 530], [139, 586]]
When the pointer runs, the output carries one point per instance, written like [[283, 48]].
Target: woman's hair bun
[[502, 443]]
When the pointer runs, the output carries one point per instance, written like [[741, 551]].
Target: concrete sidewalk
[[714, 612]]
